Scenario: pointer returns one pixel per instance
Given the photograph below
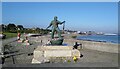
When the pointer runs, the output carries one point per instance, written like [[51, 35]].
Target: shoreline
[[93, 45], [106, 41], [98, 41]]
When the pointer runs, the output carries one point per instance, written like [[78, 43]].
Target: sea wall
[[100, 46]]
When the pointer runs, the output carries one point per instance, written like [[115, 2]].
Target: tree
[[2, 27], [20, 27], [11, 28]]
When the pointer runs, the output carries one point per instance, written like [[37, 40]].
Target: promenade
[[91, 57]]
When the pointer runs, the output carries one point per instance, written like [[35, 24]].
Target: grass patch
[[73, 36], [10, 35]]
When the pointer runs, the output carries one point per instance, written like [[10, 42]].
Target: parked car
[[2, 36], [33, 35]]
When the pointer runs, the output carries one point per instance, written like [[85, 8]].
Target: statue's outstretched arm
[[49, 25], [61, 22]]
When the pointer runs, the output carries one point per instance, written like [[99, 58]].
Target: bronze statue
[[54, 23]]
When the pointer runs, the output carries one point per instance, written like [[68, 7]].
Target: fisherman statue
[[54, 23]]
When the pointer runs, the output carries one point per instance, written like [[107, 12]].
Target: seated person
[[48, 43], [18, 36], [76, 45]]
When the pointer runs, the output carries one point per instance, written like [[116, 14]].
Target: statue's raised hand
[[63, 21]]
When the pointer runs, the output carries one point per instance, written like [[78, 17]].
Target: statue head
[[55, 18]]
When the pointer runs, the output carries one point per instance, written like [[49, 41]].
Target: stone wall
[[100, 46]]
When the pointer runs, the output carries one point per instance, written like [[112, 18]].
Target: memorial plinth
[[45, 53]]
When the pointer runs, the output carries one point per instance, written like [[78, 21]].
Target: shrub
[[73, 36]]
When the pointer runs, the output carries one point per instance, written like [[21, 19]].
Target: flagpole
[[63, 27]]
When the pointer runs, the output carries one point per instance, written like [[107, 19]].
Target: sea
[[101, 38]]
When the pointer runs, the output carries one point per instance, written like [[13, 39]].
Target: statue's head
[[55, 18]]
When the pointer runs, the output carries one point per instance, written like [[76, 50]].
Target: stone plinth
[[45, 53]]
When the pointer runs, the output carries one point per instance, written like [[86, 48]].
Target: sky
[[80, 16]]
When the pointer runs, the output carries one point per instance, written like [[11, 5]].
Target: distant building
[[100, 33], [78, 32], [81, 33]]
